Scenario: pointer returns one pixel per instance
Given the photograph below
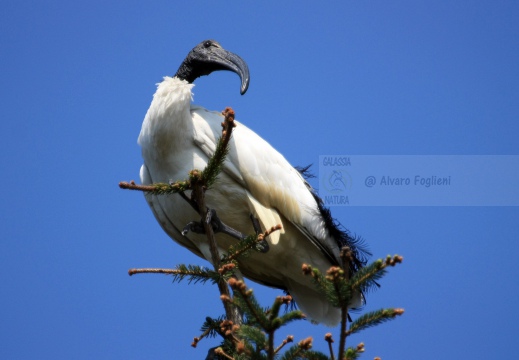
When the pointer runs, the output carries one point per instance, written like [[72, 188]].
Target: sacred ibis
[[177, 137]]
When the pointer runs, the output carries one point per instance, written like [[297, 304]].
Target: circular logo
[[336, 181]]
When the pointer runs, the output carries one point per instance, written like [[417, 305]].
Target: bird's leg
[[255, 224], [213, 219], [218, 225], [189, 200], [194, 226]]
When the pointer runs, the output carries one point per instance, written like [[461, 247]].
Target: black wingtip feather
[[305, 171], [343, 237]]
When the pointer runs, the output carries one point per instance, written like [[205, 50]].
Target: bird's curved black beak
[[209, 56], [226, 60]]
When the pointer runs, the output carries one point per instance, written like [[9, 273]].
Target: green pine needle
[[212, 326], [252, 309], [253, 335], [319, 281], [254, 355], [215, 164], [364, 278], [276, 306], [372, 319], [241, 249], [352, 354], [173, 188], [291, 316], [337, 292], [195, 274], [296, 353]]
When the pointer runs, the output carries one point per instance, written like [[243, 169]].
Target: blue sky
[[356, 77]]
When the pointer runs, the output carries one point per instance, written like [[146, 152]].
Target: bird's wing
[[274, 186]]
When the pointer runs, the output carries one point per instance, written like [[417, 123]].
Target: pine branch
[[361, 279], [371, 272], [199, 183], [289, 317], [193, 273], [240, 249], [318, 279], [216, 162], [372, 319], [249, 243], [158, 188], [210, 330], [228, 328], [337, 286], [276, 306], [262, 324], [212, 326], [302, 351], [329, 339], [339, 290], [287, 340], [254, 335], [333, 285], [220, 352], [354, 353], [247, 302], [346, 259]]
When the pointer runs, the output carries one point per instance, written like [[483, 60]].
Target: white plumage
[[177, 137]]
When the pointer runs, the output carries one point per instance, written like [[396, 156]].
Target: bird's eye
[[207, 44]]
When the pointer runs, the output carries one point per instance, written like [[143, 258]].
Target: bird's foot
[[219, 226], [193, 226]]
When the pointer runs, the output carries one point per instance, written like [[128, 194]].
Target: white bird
[[177, 137]]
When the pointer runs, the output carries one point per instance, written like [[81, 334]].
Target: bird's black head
[[209, 56]]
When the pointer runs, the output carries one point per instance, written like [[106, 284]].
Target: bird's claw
[[193, 226]]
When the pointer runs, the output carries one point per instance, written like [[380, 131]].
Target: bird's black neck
[[187, 72]]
